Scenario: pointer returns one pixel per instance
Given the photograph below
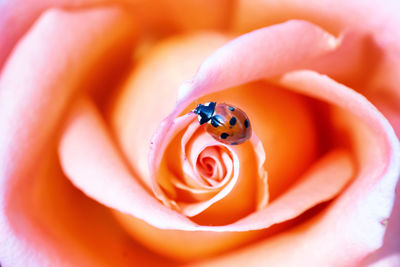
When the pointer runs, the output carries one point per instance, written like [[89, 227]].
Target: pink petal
[[336, 169], [202, 84], [233, 227], [193, 150], [269, 45], [388, 260], [157, 17], [18, 16], [177, 59], [252, 14], [173, 60], [238, 177], [183, 246], [377, 22], [378, 67], [61, 226], [277, 47], [92, 162], [33, 98], [391, 245], [192, 209], [276, 50], [323, 181], [351, 227]]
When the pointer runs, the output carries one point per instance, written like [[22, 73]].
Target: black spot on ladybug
[[224, 135], [246, 123], [231, 108], [232, 121], [234, 144]]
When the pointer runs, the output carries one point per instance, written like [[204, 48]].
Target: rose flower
[[103, 161]]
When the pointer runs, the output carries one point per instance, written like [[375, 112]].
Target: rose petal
[[377, 22], [92, 162], [285, 124], [33, 98], [202, 85], [320, 183], [157, 17], [367, 58], [387, 261], [18, 16], [201, 145], [248, 193], [170, 60], [276, 47], [239, 186], [66, 228], [198, 207], [379, 171], [213, 73], [270, 45], [353, 221], [254, 14], [242, 181], [184, 246], [98, 170], [391, 245], [389, 251], [194, 15], [159, 74], [335, 169]]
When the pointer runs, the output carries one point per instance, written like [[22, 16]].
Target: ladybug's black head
[[205, 112]]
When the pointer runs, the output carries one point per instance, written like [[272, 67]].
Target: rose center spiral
[[211, 164]]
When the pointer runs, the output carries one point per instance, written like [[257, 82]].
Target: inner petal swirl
[[198, 174]]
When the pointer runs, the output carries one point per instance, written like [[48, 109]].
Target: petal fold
[[360, 209], [34, 96], [93, 163], [274, 50]]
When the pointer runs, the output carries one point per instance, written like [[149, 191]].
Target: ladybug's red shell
[[227, 124]]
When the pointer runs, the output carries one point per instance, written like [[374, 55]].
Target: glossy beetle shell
[[226, 123]]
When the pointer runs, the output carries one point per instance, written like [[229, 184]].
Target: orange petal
[[277, 47], [18, 16], [324, 180], [352, 221], [151, 91], [194, 15], [92, 162], [244, 174], [373, 21], [285, 124], [34, 94], [335, 169], [62, 226], [155, 17], [183, 246], [275, 50], [101, 167], [331, 15], [371, 198]]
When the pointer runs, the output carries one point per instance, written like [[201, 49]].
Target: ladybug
[[226, 123]]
